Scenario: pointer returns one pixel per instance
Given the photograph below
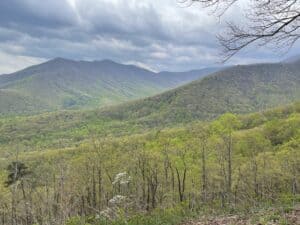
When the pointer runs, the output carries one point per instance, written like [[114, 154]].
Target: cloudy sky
[[156, 34]]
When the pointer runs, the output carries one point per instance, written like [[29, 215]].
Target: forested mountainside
[[164, 157], [67, 84], [238, 89], [232, 163]]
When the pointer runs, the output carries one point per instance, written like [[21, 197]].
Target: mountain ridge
[[239, 89], [67, 84]]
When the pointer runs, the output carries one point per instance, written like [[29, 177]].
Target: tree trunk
[[204, 175]]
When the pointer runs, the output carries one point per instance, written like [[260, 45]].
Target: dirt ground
[[267, 218]]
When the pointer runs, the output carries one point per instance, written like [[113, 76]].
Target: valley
[[205, 143], [240, 90]]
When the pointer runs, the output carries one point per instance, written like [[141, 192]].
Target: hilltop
[[68, 84]]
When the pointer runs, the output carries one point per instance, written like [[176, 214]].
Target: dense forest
[[235, 162]]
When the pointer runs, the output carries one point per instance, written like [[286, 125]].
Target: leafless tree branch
[[275, 22]]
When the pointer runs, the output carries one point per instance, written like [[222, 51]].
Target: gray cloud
[[158, 34], [51, 14]]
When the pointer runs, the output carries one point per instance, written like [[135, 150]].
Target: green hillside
[[12, 101], [164, 157], [66, 84], [239, 89], [160, 177]]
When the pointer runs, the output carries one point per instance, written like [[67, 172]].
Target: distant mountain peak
[[59, 61]]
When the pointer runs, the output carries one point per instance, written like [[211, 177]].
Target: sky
[[158, 35]]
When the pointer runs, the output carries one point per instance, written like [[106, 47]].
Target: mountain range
[[238, 89], [68, 84]]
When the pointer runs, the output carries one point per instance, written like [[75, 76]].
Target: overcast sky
[[156, 34]]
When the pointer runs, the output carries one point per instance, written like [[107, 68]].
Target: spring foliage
[[232, 162]]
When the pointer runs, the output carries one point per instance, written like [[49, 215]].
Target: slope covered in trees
[[154, 154], [234, 162], [239, 89], [67, 84]]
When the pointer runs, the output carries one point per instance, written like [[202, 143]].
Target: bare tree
[[275, 22]]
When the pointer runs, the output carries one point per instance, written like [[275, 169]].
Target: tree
[[269, 22], [252, 145], [224, 127], [17, 171], [202, 133]]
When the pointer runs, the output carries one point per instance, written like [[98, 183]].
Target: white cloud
[[10, 63], [141, 65]]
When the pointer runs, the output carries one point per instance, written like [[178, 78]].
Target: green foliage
[[175, 164], [69, 128], [240, 89], [170, 216], [16, 171], [184, 164]]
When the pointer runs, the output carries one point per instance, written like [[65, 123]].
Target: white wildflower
[[117, 199], [121, 178]]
